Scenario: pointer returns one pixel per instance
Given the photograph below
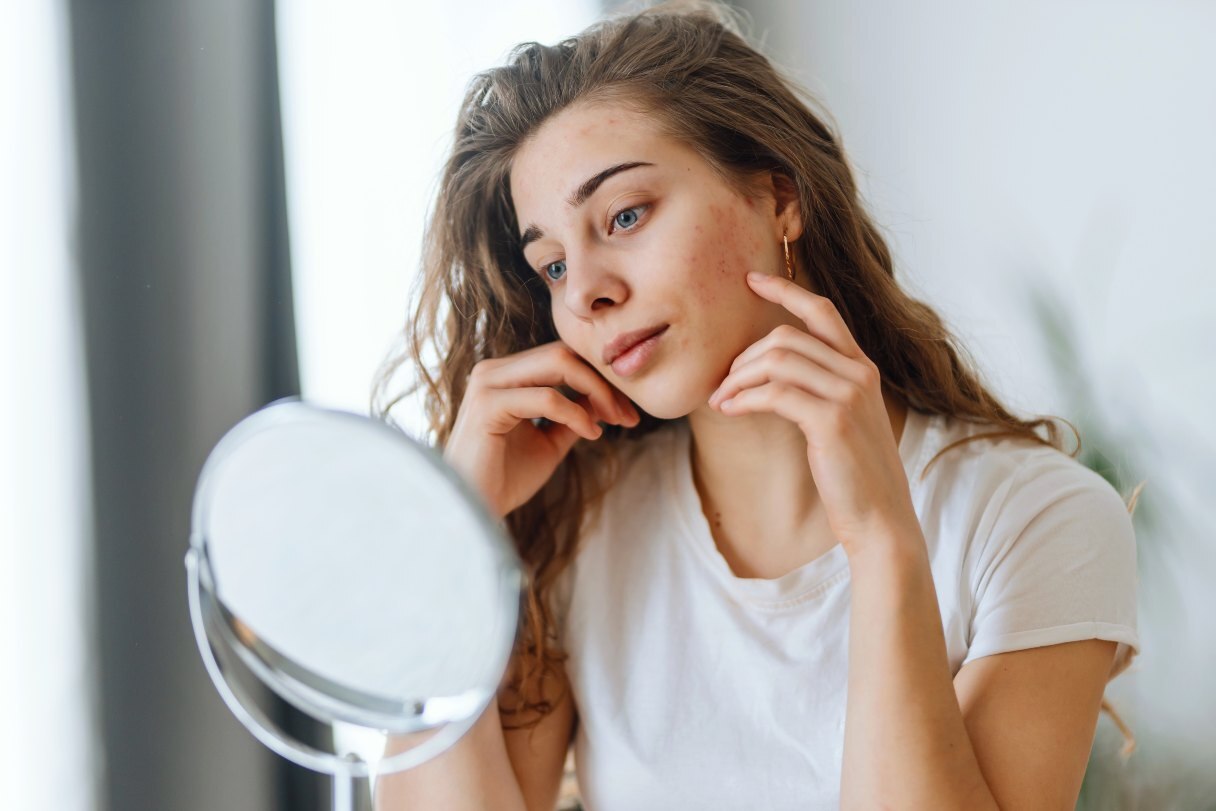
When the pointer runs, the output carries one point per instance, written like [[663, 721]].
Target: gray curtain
[[182, 243]]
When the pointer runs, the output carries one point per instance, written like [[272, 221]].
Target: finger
[[786, 367], [788, 336], [512, 406], [819, 313], [554, 364], [795, 404], [562, 437], [628, 408]]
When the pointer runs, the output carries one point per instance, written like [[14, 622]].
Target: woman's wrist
[[888, 552]]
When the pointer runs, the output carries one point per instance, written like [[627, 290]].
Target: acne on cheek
[[723, 252], [735, 244]]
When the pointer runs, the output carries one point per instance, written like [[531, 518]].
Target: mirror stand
[[352, 793]]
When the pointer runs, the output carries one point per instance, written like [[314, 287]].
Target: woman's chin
[[669, 407]]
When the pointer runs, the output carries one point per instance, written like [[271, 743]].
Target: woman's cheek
[[709, 261], [569, 336]]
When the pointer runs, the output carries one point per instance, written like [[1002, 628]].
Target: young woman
[[785, 549]]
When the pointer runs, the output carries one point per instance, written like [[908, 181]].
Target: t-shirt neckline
[[801, 584]]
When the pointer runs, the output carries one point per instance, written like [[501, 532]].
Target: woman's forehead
[[582, 141]]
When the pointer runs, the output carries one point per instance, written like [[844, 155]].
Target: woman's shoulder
[[1029, 546], [956, 448], [1013, 478]]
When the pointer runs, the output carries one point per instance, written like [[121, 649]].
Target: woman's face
[[633, 230]]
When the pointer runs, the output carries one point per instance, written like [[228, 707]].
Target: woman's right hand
[[494, 444]]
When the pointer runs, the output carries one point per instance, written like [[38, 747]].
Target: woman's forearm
[[905, 743], [474, 774]]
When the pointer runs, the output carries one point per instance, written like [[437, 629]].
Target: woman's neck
[[757, 492]]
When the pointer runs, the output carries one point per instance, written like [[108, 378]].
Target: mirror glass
[[343, 577]]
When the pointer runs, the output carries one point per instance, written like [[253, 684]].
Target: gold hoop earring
[[789, 266]]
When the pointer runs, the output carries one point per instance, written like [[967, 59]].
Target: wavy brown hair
[[688, 65]]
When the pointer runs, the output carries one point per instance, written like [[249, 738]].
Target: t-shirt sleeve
[[1059, 564]]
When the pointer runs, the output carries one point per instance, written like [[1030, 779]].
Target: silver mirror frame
[[205, 611]]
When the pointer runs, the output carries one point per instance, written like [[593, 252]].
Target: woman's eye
[[558, 267], [629, 217]]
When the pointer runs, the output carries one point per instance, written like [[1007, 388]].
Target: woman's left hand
[[822, 381]]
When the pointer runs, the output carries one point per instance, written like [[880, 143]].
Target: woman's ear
[[788, 207]]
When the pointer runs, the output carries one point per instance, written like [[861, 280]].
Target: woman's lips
[[633, 359]]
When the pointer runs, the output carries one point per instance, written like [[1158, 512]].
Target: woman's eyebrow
[[587, 189], [581, 195]]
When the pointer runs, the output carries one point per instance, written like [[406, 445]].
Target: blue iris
[[630, 213]]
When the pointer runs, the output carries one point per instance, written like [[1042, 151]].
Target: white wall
[[1053, 143], [1066, 146]]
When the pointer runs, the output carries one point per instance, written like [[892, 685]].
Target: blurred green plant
[[1117, 778]]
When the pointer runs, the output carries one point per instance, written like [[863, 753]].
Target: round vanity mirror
[[347, 589]]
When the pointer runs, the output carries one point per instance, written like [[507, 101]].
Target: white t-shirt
[[698, 689]]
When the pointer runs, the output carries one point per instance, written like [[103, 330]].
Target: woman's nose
[[592, 283]]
